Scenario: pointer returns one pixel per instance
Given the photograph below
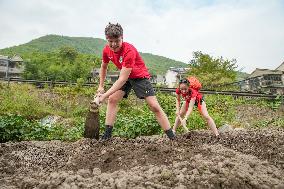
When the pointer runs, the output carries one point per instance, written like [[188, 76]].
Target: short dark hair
[[184, 81], [113, 30]]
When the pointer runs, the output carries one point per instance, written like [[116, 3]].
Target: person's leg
[[112, 107], [182, 113], [111, 112], [144, 90], [160, 115], [208, 119]]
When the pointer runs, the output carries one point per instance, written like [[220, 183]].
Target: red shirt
[[127, 57], [191, 93]]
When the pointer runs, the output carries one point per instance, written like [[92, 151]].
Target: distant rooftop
[[281, 67], [259, 72], [178, 70], [3, 57], [15, 58]]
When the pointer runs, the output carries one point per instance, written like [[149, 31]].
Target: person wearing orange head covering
[[188, 90]]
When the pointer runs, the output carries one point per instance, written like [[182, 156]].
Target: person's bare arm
[[178, 105], [103, 72], [190, 108], [123, 76]]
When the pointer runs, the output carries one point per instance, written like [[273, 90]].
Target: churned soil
[[238, 159]]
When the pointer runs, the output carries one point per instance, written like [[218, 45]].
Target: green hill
[[86, 45]]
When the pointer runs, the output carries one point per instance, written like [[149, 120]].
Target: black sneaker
[[170, 134], [108, 132]]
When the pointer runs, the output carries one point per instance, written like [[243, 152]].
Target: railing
[[162, 89]]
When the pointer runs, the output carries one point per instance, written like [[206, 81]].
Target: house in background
[[281, 67], [111, 76], [170, 79], [158, 79], [173, 75], [265, 80], [11, 67]]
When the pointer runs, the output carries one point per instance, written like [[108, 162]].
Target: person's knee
[[113, 99], [207, 117], [182, 113], [155, 108]]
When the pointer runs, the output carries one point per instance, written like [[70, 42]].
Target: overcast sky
[[251, 31]]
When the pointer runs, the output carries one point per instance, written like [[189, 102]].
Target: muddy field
[[238, 159]]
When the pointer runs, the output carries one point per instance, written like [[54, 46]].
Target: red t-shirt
[[191, 93], [127, 57]]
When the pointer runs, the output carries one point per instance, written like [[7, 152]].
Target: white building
[[11, 67], [158, 79], [173, 75]]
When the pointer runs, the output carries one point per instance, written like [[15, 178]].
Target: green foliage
[[242, 75], [22, 106], [68, 47], [276, 103], [12, 128], [220, 108], [31, 103], [133, 119], [66, 65], [17, 128], [68, 53], [76, 90], [80, 83], [136, 119], [51, 43], [212, 71], [141, 124], [22, 100], [277, 122]]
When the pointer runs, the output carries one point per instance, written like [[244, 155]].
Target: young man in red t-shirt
[[133, 74]]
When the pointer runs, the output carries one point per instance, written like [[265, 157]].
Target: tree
[[68, 53], [212, 71]]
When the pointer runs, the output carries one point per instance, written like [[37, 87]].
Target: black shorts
[[196, 102], [141, 86]]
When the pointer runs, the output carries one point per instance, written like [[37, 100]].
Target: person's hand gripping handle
[[97, 100]]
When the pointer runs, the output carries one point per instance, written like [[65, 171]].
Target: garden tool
[[92, 123], [183, 124]]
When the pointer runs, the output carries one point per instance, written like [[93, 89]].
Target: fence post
[[9, 79]]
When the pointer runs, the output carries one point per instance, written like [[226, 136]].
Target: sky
[[250, 31]]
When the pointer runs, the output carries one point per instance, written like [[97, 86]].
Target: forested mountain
[[85, 45]]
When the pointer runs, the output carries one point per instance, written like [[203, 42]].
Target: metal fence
[[40, 83]]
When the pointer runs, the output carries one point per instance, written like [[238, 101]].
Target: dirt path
[[239, 159]]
